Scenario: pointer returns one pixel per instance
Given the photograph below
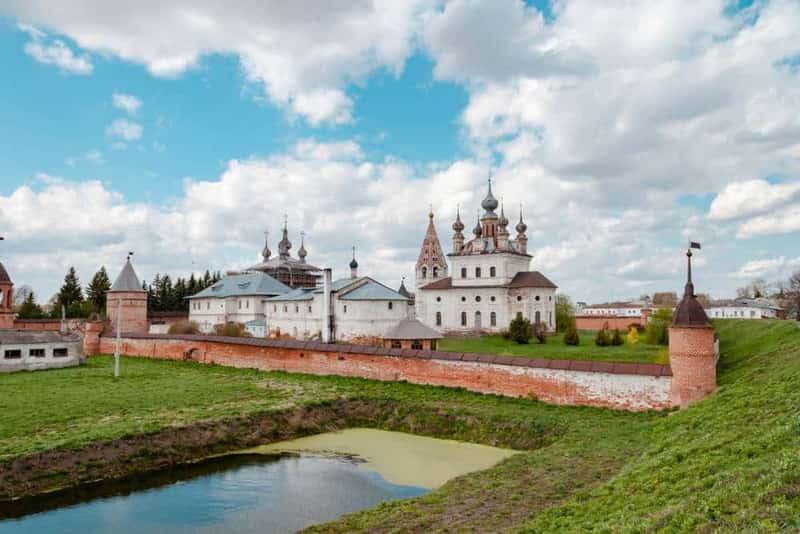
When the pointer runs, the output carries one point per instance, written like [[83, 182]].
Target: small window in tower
[[492, 272], [519, 298], [424, 272], [390, 305], [463, 272], [477, 272], [435, 271]]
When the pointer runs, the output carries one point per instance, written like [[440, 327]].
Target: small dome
[[458, 226], [478, 231], [302, 252], [353, 264], [490, 203], [521, 226], [503, 220]]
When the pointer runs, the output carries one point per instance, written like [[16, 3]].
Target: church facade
[[488, 281]]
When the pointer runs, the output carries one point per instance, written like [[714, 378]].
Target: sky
[[183, 131]]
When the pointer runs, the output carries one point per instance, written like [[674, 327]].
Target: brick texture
[[693, 360], [596, 322], [134, 311], [611, 385]]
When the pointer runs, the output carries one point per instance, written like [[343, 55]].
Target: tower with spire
[[127, 297], [431, 264]]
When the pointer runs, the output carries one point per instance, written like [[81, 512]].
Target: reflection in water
[[240, 493]]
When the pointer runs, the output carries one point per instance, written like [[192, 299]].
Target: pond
[[280, 487]]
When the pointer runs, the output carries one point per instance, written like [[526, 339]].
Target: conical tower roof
[[689, 311], [127, 279], [431, 252], [4, 278]]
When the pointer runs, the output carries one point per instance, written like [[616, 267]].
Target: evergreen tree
[[70, 292], [98, 288], [191, 285], [206, 279], [29, 309], [520, 329]]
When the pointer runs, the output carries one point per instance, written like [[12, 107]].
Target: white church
[[490, 281]]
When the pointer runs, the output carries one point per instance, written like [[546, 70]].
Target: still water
[[260, 490]]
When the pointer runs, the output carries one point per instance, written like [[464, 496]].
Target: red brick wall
[[134, 311], [596, 322], [693, 359], [619, 386], [49, 325]]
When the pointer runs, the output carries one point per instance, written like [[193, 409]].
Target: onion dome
[[521, 226], [490, 203], [301, 252], [353, 262], [478, 230], [285, 245], [458, 226], [266, 253], [503, 220]]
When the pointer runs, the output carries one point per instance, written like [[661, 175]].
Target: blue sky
[[621, 144]]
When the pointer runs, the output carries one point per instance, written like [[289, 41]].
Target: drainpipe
[[327, 309]]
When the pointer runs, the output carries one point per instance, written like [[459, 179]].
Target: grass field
[[555, 348], [728, 464]]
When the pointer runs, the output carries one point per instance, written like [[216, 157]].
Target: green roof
[[362, 288], [242, 285]]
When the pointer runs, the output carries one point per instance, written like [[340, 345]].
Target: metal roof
[[127, 279], [361, 288], [244, 284], [301, 293], [412, 329], [32, 337], [521, 279]]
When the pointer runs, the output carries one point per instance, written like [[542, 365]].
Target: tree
[[665, 298], [616, 338], [520, 329], [657, 332], [633, 335], [98, 288], [794, 292], [571, 336], [29, 309], [602, 339], [565, 313], [69, 293]]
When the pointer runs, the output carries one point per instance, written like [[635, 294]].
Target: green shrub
[[520, 329], [565, 313], [616, 338], [571, 337], [602, 339], [184, 327], [657, 331], [539, 332]]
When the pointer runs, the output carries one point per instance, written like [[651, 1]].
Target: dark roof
[[521, 279], [412, 329], [32, 337], [689, 311], [127, 279], [531, 279], [4, 274]]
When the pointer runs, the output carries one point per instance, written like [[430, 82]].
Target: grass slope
[[556, 349]]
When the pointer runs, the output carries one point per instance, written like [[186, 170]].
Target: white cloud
[[129, 103], [769, 267], [125, 129], [57, 52], [738, 199], [303, 57], [782, 221]]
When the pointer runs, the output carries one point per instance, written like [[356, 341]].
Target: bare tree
[[794, 292]]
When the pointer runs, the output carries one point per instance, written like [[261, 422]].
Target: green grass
[[728, 464], [555, 348]]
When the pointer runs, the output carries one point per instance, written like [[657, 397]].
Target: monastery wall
[[596, 322], [624, 386]]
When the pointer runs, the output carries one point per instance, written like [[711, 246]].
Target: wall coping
[[587, 366]]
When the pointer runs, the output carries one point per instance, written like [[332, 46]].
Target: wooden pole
[[119, 327]]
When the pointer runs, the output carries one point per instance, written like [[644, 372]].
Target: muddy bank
[[60, 469]]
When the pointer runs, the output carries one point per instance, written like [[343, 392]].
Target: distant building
[[744, 309], [24, 350], [489, 283], [361, 310], [285, 269], [411, 334], [614, 309], [238, 298]]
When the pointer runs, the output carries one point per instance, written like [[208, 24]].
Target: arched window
[[390, 305], [493, 319], [463, 318], [424, 272], [478, 319], [435, 272], [438, 318], [492, 272]]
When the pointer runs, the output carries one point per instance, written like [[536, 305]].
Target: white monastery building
[[614, 309], [488, 282], [744, 309]]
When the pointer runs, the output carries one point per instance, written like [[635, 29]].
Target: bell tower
[[431, 264]]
